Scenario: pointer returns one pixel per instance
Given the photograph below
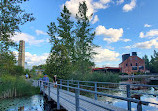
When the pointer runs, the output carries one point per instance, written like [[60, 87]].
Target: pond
[[33, 103], [123, 104]]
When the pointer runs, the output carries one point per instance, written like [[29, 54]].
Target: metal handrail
[[111, 83], [104, 94], [107, 83]]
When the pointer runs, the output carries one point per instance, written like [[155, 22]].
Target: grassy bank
[[15, 86]]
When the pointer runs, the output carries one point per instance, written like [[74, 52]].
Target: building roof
[[129, 57]]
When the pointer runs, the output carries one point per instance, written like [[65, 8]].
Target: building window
[[131, 64], [134, 67], [141, 67], [136, 64]]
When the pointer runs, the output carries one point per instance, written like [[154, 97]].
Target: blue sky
[[122, 26]]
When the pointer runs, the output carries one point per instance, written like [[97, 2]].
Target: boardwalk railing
[[96, 88]]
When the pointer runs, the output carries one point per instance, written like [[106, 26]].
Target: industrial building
[[132, 64]]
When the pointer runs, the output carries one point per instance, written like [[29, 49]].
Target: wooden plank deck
[[71, 99]]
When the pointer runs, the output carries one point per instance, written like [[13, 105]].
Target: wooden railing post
[[95, 88], [78, 85], [129, 96], [58, 104], [49, 92], [67, 85], [43, 88], [77, 99], [40, 86], [139, 106], [61, 84]]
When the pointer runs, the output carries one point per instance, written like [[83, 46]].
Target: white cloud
[[147, 25], [128, 47], [95, 19], [27, 38], [105, 1], [110, 35], [125, 40], [119, 2], [141, 35], [105, 55], [99, 5], [145, 45], [130, 6], [111, 48], [151, 33], [40, 32], [33, 59], [92, 6], [73, 5]]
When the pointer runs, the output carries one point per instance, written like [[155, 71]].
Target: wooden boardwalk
[[76, 102], [67, 100]]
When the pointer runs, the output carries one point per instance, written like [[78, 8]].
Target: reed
[[15, 86]]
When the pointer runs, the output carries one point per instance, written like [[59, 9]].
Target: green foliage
[[95, 76], [72, 44], [14, 86], [12, 16], [17, 71], [147, 66], [26, 71], [154, 63], [84, 41], [7, 62], [123, 73], [59, 60]]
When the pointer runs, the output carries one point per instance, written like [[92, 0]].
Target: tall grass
[[15, 86], [96, 76]]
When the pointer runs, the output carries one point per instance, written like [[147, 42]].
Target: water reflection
[[34, 103], [134, 94]]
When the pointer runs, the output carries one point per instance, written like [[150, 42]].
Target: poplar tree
[[72, 44], [84, 40], [62, 41]]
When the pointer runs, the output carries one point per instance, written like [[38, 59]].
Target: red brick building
[[132, 64]]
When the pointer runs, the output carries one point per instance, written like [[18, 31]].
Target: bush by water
[[15, 86]]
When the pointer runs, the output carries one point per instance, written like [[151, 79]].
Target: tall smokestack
[[21, 57], [134, 53], [125, 56]]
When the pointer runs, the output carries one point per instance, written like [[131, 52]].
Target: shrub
[[17, 70]]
